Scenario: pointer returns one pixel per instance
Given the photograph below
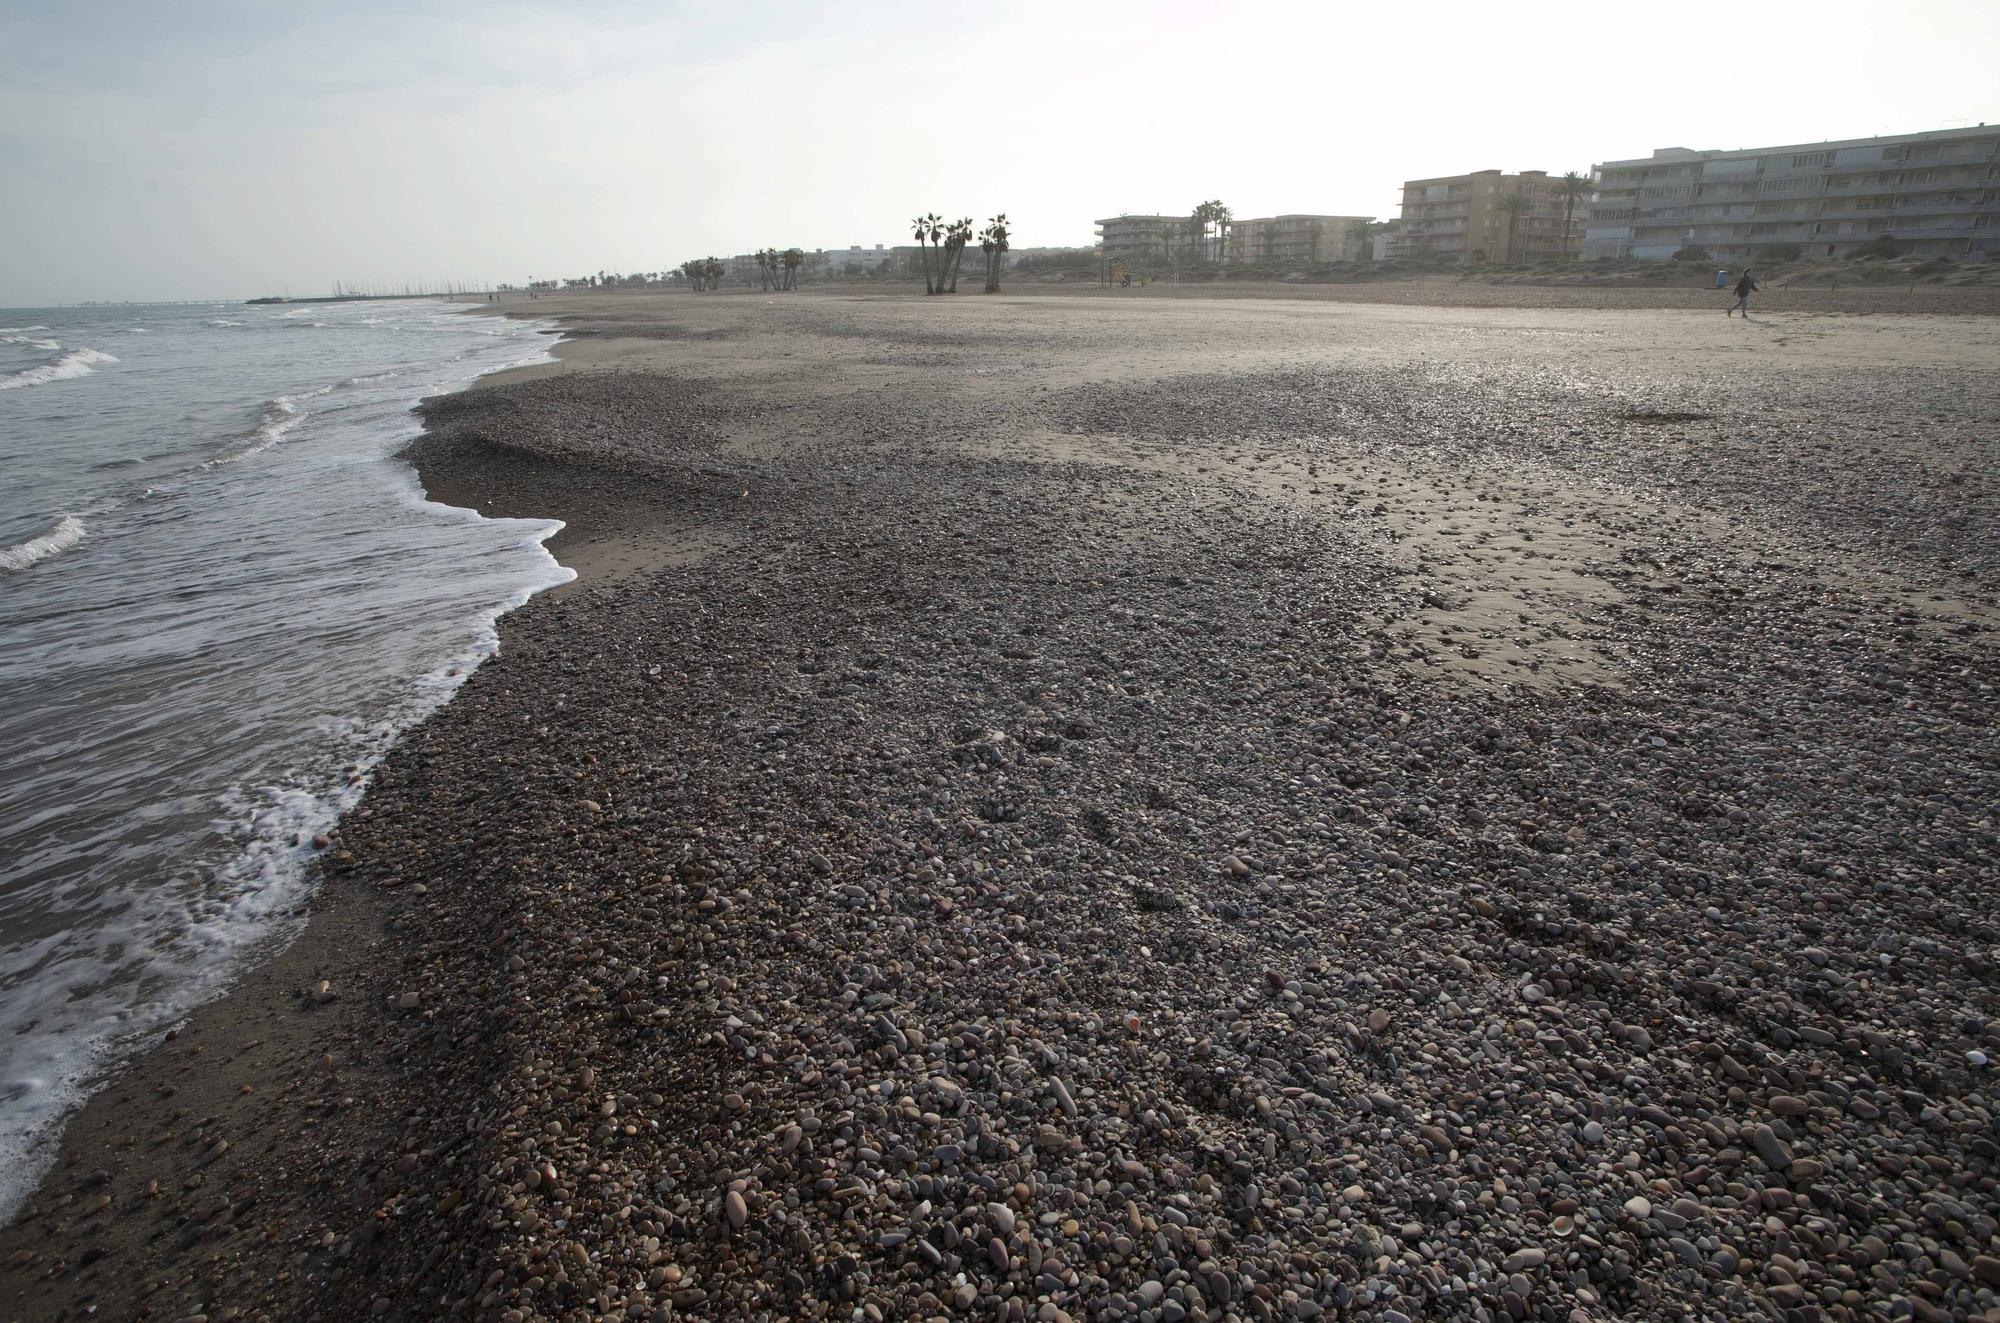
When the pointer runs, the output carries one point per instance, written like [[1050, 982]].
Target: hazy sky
[[187, 149]]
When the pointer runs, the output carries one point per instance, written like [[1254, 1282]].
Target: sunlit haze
[[167, 151]]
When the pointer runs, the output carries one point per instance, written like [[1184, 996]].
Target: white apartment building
[[1937, 194], [836, 259]]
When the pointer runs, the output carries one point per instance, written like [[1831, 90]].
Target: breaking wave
[[281, 415], [75, 363], [64, 534]]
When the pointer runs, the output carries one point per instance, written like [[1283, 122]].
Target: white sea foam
[[223, 321], [28, 340], [65, 533], [10, 330], [75, 363]]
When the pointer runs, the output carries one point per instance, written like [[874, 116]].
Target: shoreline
[[1977, 300], [898, 846], [245, 1024]]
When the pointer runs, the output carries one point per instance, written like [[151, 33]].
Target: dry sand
[[1145, 808]]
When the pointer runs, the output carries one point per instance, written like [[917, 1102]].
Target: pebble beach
[[1151, 809]]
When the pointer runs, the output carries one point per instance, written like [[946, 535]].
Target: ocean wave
[[280, 416], [75, 363], [222, 321], [29, 340], [9, 330], [65, 533]]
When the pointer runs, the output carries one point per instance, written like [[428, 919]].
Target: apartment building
[[838, 259], [1462, 218], [1297, 238], [1143, 238], [1936, 193]]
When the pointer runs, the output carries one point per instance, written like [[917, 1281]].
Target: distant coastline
[[347, 298]]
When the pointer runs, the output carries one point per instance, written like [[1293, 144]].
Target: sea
[[222, 596]]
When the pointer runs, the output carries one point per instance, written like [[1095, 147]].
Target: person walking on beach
[[1745, 287]]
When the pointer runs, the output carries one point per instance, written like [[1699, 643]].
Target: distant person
[[1722, 279], [1745, 287]]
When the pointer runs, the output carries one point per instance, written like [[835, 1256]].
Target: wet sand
[[1132, 808]]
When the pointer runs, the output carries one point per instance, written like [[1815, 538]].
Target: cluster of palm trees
[[947, 243], [1572, 188], [993, 242], [780, 270], [1208, 229], [704, 272]]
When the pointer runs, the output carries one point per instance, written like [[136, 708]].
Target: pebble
[[1774, 1151]]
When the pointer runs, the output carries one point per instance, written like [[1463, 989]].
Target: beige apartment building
[[1462, 218], [1298, 238], [1143, 238], [1937, 194]]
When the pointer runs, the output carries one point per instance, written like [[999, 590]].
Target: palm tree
[[922, 228], [957, 239], [993, 242], [1209, 225], [1362, 235], [1572, 189], [714, 269], [793, 258], [1514, 204], [939, 232], [1198, 227], [764, 268]]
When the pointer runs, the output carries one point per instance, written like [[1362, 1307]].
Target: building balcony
[[1988, 153], [1982, 185]]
